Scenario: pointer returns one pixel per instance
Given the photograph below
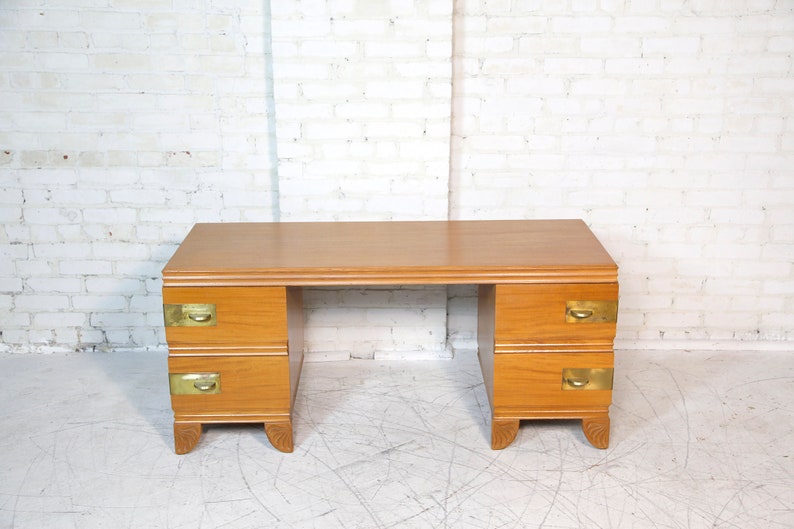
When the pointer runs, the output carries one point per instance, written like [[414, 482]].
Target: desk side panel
[[485, 336], [295, 331]]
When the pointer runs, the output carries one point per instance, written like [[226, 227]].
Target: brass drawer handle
[[200, 318], [591, 311], [586, 378], [204, 385], [195, 383], [577, 382], [190, 315], [581, 314]]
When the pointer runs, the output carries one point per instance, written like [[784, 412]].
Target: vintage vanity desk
[[233, 311]]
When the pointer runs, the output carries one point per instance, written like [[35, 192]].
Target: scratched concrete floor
[[698, 440]]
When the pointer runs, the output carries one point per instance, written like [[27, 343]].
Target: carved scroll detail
[[186, 435], [280, 435], [503, 432], [596, 429]]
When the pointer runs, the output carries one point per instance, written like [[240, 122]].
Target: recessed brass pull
[[200, 318], [591, 311], [586, 378], [195, 383], [190, 315], [204, 385], [577, 382]]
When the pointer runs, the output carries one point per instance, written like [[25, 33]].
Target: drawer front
[[217, 316], [553, 380], [228, 385], [576, 313]]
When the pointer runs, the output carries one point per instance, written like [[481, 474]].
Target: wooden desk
[[546, 318]]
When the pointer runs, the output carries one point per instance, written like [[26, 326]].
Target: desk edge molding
[[324, 277]]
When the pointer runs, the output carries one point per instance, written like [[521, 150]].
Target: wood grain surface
[[367, 253], [245, 316]]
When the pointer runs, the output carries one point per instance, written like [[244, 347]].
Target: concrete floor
[[698, 440]]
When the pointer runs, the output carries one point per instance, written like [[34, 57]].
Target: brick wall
[[122, 124], [363, 101], [363, 109], [666, 124]]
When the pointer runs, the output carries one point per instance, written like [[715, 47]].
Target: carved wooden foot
[[280, 435], [596, 429], [186, 435], [503, 432]]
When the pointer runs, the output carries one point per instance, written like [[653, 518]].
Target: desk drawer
[[561, 313], [229, 385], [553, 380], [216, 316]]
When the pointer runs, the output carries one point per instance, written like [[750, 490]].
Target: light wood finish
[[526, 272], [280, 435], [256, 346], [535, 314], [246, 316], [249, 385], [186, 436], [503, 432], [525, 343], [535, 380], [390, 253], [486, 345], [294, 347], [596, 429]]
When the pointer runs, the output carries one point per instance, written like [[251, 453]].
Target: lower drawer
[[229, 385], [536, 380]]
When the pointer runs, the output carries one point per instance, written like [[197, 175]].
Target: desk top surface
[[389, 253]]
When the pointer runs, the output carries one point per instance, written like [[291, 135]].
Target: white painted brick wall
[[363, 95], [123, 123], [666, 124]]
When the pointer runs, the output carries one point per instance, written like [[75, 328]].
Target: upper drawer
[[562, 313], [229, 316]]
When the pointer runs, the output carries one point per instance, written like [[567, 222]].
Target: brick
[[113, 285], [117, 320], [642, 24], [50, 284], [666, 45], [395, 49], [611, 46], [35, 302], [579, 24], [10, 285], [99, 302], [634, 66], [781, 43], [57, 320], [10, 214]]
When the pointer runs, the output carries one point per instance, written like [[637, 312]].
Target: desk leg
[[280, 435], [596, 430], [503, 432], [595, 426], [186, 435]]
